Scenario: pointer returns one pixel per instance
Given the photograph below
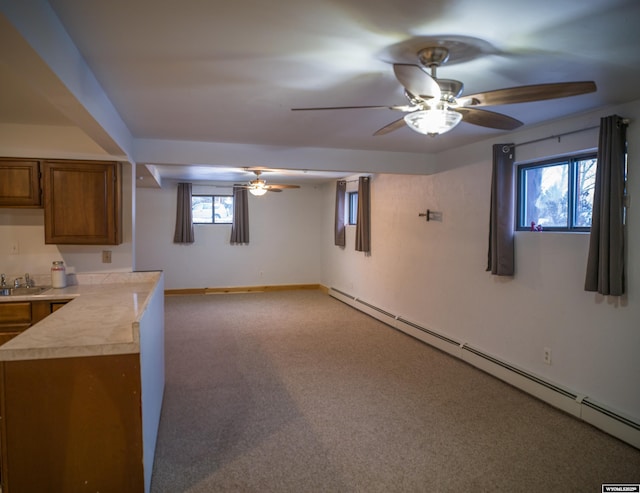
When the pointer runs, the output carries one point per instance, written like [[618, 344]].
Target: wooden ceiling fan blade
[[278, 188], [416, 81], [489, 119], [526, 94], [395, 125]]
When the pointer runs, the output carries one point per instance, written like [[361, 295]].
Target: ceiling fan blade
[[395, 125], [401, 108], [526, 94], [489, 119], [275, 187], [416, 81]]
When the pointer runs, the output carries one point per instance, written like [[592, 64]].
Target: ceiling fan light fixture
[[434, 121], [257, 187], [257, 190]]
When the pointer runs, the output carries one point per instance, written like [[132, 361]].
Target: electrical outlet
[[106, 256], [547, 356]]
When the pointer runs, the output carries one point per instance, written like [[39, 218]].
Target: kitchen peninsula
[[81, 390]]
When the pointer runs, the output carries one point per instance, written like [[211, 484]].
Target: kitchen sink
[[22, 291]]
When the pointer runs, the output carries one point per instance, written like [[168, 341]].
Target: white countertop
[[101, 318]]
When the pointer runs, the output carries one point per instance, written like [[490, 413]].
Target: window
[[557, 194], [212, 209], [353, 207]]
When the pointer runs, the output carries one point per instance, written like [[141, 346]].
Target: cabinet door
[[20, 183], [55, 306], [15, 317], [7, 336], [82, 202], [43, 308]]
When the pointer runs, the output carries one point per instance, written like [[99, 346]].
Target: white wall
[[433, 273], [284, 243], [47, 141]]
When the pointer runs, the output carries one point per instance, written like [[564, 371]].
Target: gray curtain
[[363, 222], [339, 230], [500, 260], [605, 263], [184, 217], [240, 225]]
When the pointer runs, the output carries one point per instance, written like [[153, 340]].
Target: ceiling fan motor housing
[[450, 88]]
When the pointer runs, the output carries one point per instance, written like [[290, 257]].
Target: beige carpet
[[296, 392]]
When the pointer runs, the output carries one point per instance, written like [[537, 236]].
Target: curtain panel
[[363, 222], [339, 227], [501, 253], [240, 224], [605, 261], [184, 216]]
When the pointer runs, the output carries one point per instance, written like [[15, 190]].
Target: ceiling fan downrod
[[432, 57]]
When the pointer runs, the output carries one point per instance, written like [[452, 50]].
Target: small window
[[557, 195], [212, 209], [353, 207]]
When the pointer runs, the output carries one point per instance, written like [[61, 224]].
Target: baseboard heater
[[580, 406]]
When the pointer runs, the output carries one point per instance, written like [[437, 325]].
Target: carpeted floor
[[296, 392]]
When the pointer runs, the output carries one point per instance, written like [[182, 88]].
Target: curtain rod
[[352, 181], [558, 136]]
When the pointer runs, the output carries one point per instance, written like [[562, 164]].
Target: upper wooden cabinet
[[20, 183], [82, 202]]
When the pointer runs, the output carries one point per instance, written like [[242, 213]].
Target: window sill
[[554, 231]]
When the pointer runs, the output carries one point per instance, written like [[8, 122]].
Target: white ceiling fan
[[259, 186]]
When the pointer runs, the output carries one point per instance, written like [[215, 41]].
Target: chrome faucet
[[28, 282]]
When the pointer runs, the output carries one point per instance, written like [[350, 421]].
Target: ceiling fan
[[438, 105], [259, 186]]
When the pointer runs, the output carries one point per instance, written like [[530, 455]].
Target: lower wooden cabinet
[[72, 425], [17, 316], [43, 308]]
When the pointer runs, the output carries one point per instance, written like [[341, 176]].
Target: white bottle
[[58, 275]]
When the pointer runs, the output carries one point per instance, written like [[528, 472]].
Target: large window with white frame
[[556, 194]]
